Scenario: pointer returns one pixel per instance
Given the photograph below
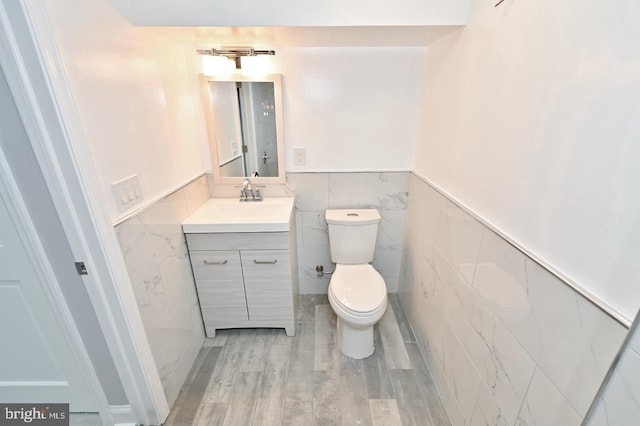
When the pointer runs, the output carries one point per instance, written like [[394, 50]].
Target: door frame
[[36, 78]]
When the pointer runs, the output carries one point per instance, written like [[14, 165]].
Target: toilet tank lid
[[352, 216]]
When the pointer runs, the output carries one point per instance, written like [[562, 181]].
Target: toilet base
[[356, 343]]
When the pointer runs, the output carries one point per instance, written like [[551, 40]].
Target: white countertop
[[232, 215]]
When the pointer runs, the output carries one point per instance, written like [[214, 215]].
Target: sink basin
[[233, 215]]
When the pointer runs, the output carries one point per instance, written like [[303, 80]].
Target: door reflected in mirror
[[244, 128]]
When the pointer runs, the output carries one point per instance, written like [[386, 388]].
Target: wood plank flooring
[[262, 377]]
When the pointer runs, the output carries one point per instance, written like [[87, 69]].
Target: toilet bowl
[[358, 296]]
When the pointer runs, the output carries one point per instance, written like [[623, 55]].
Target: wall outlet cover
[[299, 156]]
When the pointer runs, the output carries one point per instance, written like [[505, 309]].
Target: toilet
[[357, 292]]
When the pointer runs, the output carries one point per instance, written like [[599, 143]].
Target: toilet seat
[[359, 290]]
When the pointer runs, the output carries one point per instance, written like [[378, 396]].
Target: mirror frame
[[276, 79]]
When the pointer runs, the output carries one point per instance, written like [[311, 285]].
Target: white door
[[36, 362]]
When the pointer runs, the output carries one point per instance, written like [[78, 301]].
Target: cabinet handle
[[265, 262], [208, 262]]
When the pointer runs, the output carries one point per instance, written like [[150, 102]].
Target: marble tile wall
[[316, 192], [507, 342], [156, 256], [619, 404]]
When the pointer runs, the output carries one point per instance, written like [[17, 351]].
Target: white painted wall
[[531, 118], [298, 13], [136, 95], [353, 109]]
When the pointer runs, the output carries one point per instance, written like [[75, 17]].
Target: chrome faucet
[[247, 188]]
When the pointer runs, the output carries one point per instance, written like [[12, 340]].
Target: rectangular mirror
[[244, 123]]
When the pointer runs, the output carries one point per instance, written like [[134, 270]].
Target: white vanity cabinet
[[246, 279]]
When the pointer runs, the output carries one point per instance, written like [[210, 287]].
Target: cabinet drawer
[[267, 280], [238, 241]]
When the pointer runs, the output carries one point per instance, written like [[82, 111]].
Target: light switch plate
[[127, 192]]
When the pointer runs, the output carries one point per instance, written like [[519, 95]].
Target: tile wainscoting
[[156, 257], [507, 342]]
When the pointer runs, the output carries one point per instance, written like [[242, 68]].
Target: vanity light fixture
[[224, 61]]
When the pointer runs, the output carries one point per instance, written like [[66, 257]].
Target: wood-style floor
[[262, 377]]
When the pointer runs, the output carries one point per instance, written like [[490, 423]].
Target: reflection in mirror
[[245, 127]]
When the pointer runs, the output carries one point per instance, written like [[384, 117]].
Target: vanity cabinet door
[[220, 286], [267, 281]]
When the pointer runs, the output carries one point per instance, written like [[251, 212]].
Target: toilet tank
[[352, 235]]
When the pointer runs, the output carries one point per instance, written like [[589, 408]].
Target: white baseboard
[[123, 415]]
